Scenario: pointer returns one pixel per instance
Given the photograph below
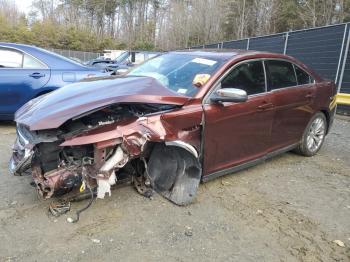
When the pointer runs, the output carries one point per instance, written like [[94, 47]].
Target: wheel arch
[[328, 118], [174, 171]]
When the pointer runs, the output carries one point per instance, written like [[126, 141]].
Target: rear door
[[236, 133], [21, 77], [292, 92]]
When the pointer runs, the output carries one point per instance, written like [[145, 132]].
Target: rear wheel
[[313, 136]]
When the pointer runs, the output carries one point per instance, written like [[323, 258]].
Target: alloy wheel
[[316, 134]]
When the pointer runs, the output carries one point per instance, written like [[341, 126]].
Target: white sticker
[[204, 61], [182, 91]]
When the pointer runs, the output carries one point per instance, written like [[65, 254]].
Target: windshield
[[122, 57], [177, 71]]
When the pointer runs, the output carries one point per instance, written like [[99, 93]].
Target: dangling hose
[[71, 220]]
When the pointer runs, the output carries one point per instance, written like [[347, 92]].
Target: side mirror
[[229, 95]]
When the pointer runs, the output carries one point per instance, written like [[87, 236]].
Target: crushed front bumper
[[22, 154]]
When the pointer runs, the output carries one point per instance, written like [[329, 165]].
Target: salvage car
[[27, 72], [178, 119]]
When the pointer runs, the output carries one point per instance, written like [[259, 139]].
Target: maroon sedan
[[176, 120]]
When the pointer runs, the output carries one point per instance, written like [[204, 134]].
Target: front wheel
[[313, 136]]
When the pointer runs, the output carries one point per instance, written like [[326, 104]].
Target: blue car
[[27, 72]]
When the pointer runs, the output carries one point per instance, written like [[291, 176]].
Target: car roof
[[227, 54], [51, 59], [241, 54]]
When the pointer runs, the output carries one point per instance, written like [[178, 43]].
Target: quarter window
[[249, 76], [281, 74], [302, 77]]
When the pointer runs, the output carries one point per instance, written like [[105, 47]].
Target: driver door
[[236, 133]]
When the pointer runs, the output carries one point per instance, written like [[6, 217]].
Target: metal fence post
[[248, 43], [341, 53], [344, 62], [286, 43]]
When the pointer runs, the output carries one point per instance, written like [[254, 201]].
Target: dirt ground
[[290, 208]]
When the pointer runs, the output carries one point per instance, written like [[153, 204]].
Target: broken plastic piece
[[59, 207]]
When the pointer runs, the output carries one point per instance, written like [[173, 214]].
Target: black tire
[[304, 148]]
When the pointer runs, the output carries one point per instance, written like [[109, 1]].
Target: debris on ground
[[59, 207], [339, 243], [96, 241], [188, 232], [259, 212]]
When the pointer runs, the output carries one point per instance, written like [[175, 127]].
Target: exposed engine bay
[[91, 152]]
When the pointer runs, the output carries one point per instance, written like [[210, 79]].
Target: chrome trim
[[286, 43], [265, 73], [183, 145], [295, 75]]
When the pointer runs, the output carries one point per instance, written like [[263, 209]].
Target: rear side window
[[302, 77], [281, 74], [10, 58], [248, 76]]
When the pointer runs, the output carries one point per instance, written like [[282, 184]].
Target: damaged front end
[[151, 144]]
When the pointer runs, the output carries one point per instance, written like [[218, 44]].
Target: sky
[[23, 5]]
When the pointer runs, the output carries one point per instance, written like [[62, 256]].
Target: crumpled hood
[[53, 109]]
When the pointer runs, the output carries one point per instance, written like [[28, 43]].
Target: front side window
[[248, 76], [281, 74], [10, 58], [177, 71], [302, 77]]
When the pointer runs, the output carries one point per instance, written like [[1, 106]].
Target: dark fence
[[325, 49]]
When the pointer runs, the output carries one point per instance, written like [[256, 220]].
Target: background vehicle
[[27, 72], [100, 62], [173, 121], [125, 60]]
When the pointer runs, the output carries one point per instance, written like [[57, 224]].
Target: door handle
[[265, 106], [37, 75]]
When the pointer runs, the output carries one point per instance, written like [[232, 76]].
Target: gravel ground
[[290, 208]]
